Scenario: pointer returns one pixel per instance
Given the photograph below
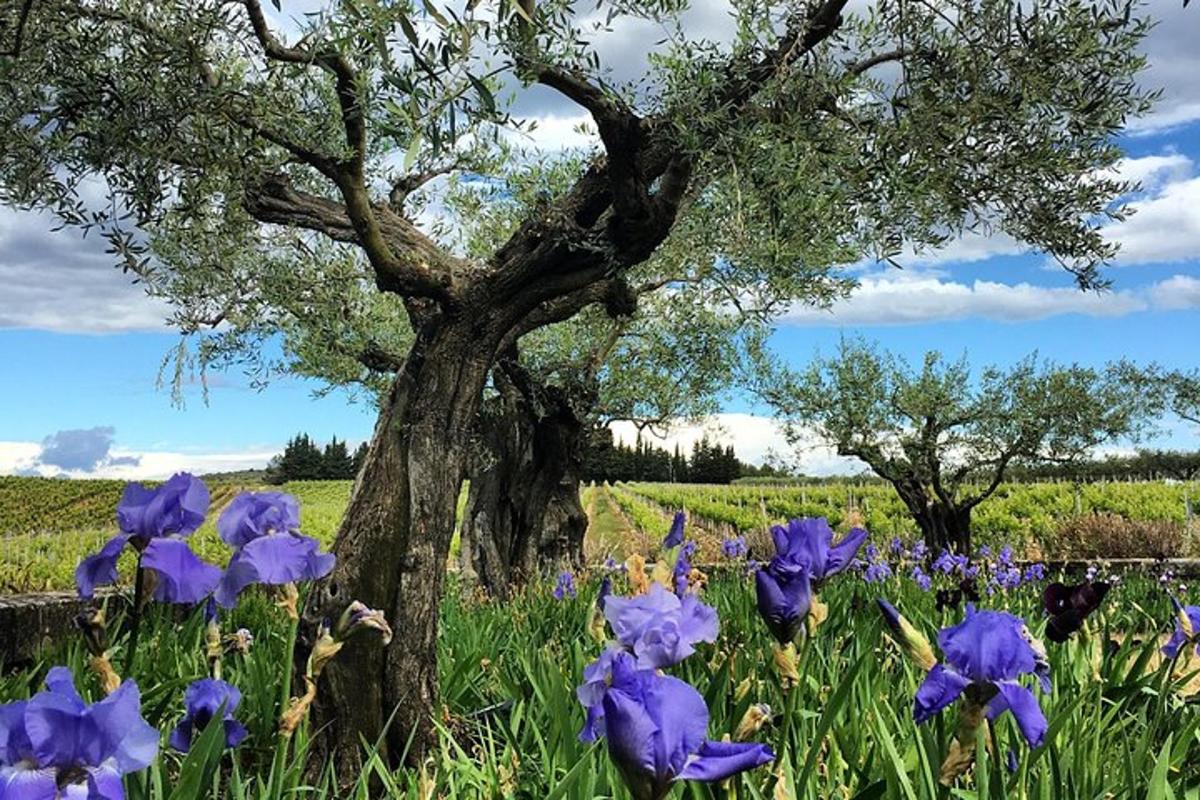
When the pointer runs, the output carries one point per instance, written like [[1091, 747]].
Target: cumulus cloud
[[22, 458], [1164, 226], [901, 300], [82, 450], [56, 280]]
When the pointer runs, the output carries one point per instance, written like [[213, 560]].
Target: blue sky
[[80, 349]]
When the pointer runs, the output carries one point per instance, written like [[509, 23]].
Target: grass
[[1117, 729]]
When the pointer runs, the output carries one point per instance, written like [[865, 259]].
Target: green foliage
[[269, 184], [1028, 516], [945, 439], [508, 672]]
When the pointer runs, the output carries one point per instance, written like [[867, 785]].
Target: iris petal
[[182, 576], [1024, 706], [940, 688], [100, 569], [717, 761], [22, 783]]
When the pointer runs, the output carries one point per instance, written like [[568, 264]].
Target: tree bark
[[943, 526], [523, 516], [393, 545]]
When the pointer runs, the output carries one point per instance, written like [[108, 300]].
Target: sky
[[81, 347]]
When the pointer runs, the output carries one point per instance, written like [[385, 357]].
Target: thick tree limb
[[275, 200], [560, 308], [620, 130]]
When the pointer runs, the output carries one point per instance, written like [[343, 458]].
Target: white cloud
[[21, 457], [1176, 292], [1152, 172], [55, 280], [1164, 227], [753, 437], [554, 132], [891, 300]]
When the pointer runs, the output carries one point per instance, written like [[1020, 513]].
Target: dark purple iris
[[263, 528], [983, 658], [674, 537], [660, 628], [953, 598], [155, 521], [1187, 630], [203, 699], [784, 594], [1069, 606], [605, 591], [809, 543], [55, 745], [656, 728]]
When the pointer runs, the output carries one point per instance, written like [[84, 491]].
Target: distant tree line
[[303, 460], [1144, 465], [708, 462]]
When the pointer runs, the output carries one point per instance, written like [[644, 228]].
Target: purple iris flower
[[896, 546], [784, 593], [734, 546], [660, 628], [877, 572], [1069, 606], [203, 699], [683, 569], [155, 521], [596, 677], [1034, 573], [1180, 639], [919, 550], [55, 745], [809, 543], [263, 528], [565, 587], [984, 655], [949, 562], [656, 726], [674, 537], [1008, 578], [922, 580]]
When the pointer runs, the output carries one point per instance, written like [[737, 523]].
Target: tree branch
[[869, 63], [620, 130], [274, 200]]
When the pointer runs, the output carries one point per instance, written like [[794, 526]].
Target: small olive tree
[[945, 439]]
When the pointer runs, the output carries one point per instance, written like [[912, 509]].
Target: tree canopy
[[944, 438]]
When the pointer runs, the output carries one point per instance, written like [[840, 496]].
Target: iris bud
[[914, 644]]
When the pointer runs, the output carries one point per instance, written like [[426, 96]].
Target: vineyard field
[[1019, 514], [48, 525]]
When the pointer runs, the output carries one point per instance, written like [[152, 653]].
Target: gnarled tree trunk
[[393, 546], [523, 516], [943, 525]]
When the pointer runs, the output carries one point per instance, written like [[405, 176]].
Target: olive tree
[[895, 127], [945, 439]]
